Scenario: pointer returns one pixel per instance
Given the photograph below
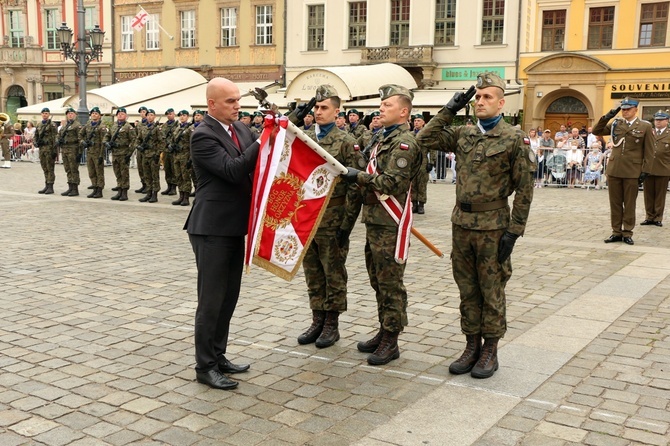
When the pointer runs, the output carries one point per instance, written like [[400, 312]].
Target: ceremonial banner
[[293, 182]]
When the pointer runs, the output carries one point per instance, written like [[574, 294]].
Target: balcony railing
[[405, 55]]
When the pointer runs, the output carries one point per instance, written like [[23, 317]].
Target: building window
[[553, 30], [228, 27], [358, 15], [127, 34], [399, 22], [15, 29], [187, 29], [445, 22], [601, 28], [315, 27], [493, 22], [653, 24], [153, 43], [51, 37], [264, 25]]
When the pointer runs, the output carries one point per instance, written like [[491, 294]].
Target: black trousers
[[220, 261]]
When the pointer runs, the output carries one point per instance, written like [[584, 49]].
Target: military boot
[[181, 198], [420, 209], [91, 187], [167, 190], [98, 192], [371, 345], [43, 190], [141, 190], [116, 188], [314, 330], [50, 189], [185, 200], [146, 198], [154, 197], [124, 195], [488, 360], [118, 193], [415, 207], [470, 356], [387, 350], [172, 190], [75, 191], [67, 192], [95, 189], [330, 334]]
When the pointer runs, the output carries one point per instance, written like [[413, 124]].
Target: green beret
[[257, 113], [341, 115], [490, 79], [310, 113], [244, 114], [388, 90], [94, 110], [151, 110], [70, 110], [142, 108], [374, 114], [121, 110], [198, 112], [45, 110], [352, 111], [418, 116], [169, 110], [324, 92], [183, 112]]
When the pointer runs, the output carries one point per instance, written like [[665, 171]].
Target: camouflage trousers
[[70, 164], [152, 171], [168, 168], [420, 184], [48, 163], [182, 173], [386, 276], [481, 281], [139, 157], [325, 272], [121, 166], [95, 163]]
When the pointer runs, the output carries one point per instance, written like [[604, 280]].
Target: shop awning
[[34, 112]]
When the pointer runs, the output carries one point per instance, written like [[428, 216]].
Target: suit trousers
[[623, 195], [655, 190], [220, 261]]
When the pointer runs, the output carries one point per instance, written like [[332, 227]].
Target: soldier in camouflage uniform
[[420, 183], [245, 118], [167, 129], [119, 140], [45, 139], [325, 257], [394, 161], [257, 124], [92, 136], [493, 161], [139, 156], [375, 127], [356, 127], [341, 122], [181, 154], [68, 141], [150, 142], [308, 121]]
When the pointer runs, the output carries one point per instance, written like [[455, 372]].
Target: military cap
[[310, 113], [353, 111], [388, 90], [324, 92], [45, 110], [198, 112], [169, 110], [142, 108], [244, 114], [121, 110], [417, 116], [490, 79], [374, 114], [341, 115], [94, 110], [257, 113], [183, 112], [661, 115], [70, 110], [151, 110], [629, 103]]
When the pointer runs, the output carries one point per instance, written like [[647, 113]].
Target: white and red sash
[[401, 215]]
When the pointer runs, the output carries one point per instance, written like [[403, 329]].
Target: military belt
[[336, 201], [482, 207]]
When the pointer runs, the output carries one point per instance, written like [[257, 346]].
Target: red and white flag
[[140, 20], [293, 181]]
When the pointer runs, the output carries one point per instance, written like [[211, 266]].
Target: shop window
[[358, 15], [653, 24], [553, 30], [493, 22], [127, 34], [445, 22], [399, 23], [228, 27], [315, 27], [601, 28], [264, 25], [187, 19]]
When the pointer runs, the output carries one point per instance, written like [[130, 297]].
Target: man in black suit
[[224, 153]]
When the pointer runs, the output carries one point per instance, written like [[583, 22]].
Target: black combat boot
[[185, 200], [98, 192], [67, 192], [154, 197], [75, 191], [330, 334], [95, 189], [118, 193], [488, 360], [116, 188], [314, 330], [192, 194], [142, 190], [371, 345], [181, 198], [473, 348], [415, 207], [91, 187], [50, 189], [43, 190], [172, 190], [387, 350], [167, 190], [124, 195], [146, 198], [420, 209]]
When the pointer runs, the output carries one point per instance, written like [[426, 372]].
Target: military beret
[[183, 112], [169, 110], [629, 103], [341, 115], [417, 116], [70, 110], [324, 92], [142, 108], [661, 115], [45, 110], [257, 113], [151, 110], [198, 112], [353, 111], [374, 114], [388, 90], [244, 114], [310, 113], [490, 79], [94, 110], [121, 110]]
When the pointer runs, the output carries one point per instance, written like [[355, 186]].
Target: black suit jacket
[[223, 196]]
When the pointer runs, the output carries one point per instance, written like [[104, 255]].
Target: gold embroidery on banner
[[286, 196]]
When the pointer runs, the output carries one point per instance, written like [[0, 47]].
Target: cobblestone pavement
[[96, 335]]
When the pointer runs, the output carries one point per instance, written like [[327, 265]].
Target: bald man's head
[[223, 100]]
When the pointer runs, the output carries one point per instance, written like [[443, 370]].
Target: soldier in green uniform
[[167, 129], [69, 143], [119, 140], [245, 118], [325, 257], [493, 161], [628, 166], [6, 132], [150, 142], [181, 154], [139, 156], [308, 121], [420, 182], [656, 184], [356, 128], [92, 136], [45, 139], [394, 160], [257, 124], [341, 122], [375, 127]]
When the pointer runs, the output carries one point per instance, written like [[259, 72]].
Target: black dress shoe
[[613, 238], [215, 379], [658, 223], [628, 240], [647, 222], [226, 366]]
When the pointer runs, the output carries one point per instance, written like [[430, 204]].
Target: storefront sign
[[658, 90], [122, 76], [469, 73]]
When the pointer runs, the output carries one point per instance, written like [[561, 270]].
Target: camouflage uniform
[[420, 182], [91, 137], [46, 134], [167, 130], [139, 158], [356, 130], [181, 141], [150, 142], [68, 140], [120, 139]]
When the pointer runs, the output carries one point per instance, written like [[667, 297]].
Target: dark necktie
[[658, 132], [234, 136]]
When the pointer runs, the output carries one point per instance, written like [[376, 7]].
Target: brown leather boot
[[178, 202], [50, 189], [124, 195], [470, 356], [387, 350], [67, 192], [371, 345], [75, 191], [314, 330], [97, 193], [488, 360], [330, 334]]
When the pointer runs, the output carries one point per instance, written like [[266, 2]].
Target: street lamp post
[[86, 50]]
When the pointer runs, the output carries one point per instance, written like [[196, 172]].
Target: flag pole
[[158, 24]]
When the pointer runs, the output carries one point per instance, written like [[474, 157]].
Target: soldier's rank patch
[[356, 148], [404, 146], [526, 141], [361, 163], [401, 162]]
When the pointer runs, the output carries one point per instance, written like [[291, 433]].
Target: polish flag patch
[[526, 141], [404, 146]]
